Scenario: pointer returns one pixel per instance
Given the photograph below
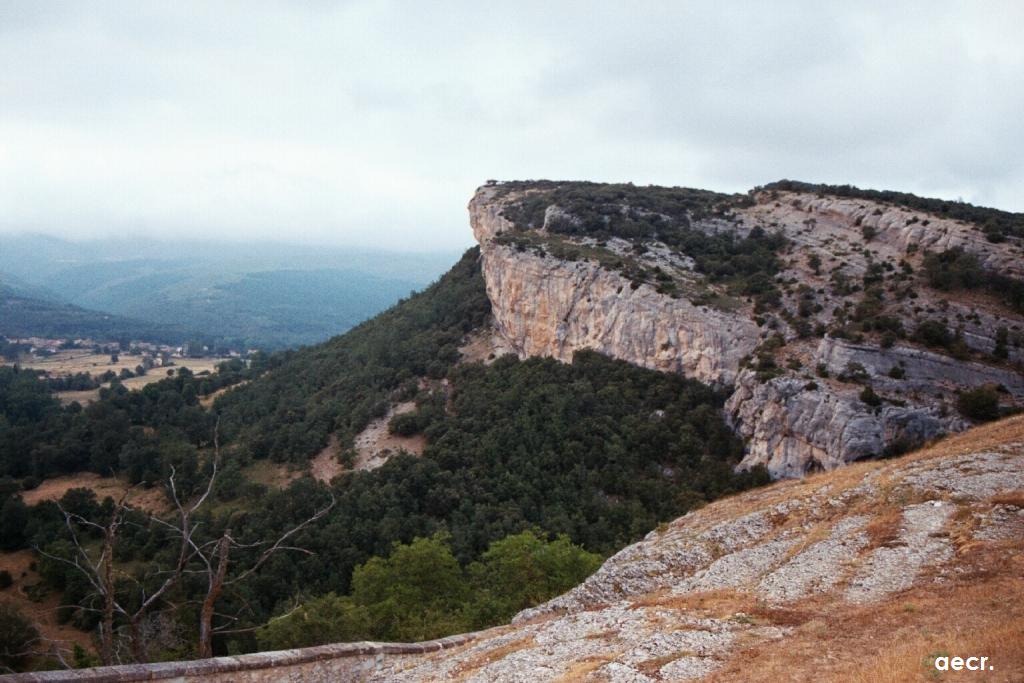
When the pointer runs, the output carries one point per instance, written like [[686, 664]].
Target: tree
[[214, 556], [415, 593], [523, 570], [328, 619], [13, 521], [99, 570]]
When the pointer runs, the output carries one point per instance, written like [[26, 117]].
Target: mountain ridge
[[841, 307]]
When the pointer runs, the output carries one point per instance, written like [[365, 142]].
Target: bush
[[6, 580], [981, 404], [854, 372], [405, 424], [868, 396], [933, 333], [17, 635]]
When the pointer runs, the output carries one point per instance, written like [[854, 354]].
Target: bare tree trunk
[[216, 585], [138, 645], [107, 580]]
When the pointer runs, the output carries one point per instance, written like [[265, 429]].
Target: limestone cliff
[[798, 372], [550, 307]]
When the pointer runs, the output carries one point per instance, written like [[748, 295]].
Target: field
[[75, 361]]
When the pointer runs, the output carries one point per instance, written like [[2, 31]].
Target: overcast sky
[[371, 123]]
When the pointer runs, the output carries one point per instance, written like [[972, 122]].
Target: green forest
[[533, 471]]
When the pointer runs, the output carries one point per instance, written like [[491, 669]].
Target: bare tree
[[99, 570], [215, 556], [214, 559]]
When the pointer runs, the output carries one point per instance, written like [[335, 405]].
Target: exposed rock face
[[544, 306], [548, 305]]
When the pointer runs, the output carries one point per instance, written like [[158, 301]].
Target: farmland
[[75, 361]]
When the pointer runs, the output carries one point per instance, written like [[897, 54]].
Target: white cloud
[[372, 122]]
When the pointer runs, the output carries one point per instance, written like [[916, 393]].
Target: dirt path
[[374, 446]]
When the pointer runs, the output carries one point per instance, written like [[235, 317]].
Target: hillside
[[518, 461], [863, 574], [848, 325], [608, 359], [244, 295], [23, 316]]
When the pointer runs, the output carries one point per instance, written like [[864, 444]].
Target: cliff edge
[[845, 327]]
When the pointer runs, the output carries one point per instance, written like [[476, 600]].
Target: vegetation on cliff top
[[747, 264], [996, 224]]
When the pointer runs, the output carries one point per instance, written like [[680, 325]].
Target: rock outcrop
[[753, 588], [544, 306], [553, 294]]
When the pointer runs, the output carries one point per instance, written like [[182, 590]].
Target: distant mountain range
[[24, 314], [268, 296]]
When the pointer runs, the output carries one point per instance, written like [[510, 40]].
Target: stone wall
[[339, 662]]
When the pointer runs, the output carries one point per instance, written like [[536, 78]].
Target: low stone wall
[[339, 662]]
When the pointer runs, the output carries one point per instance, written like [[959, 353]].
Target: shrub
[[6, 580], [896, 372], [933, 333], [868, 396], [854, 372], [17, 635], [981, 404]]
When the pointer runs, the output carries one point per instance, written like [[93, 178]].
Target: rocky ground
[[858, 574]]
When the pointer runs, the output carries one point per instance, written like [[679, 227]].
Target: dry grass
[[270, 474], [76, 361], [151, 500], [482, 659], [884, 528], [1014, 498], [43, 609], [982, 614], [581, 669]]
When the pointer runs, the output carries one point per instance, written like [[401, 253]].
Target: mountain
[[849, 324], [28, 316], [271, 296], [610, 358]]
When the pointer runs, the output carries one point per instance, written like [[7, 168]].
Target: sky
[[371, 123]]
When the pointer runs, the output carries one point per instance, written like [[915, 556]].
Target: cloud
[[370, 123]]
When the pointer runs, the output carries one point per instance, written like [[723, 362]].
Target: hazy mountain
[[263, 295]]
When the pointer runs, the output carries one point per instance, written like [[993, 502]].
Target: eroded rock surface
[[807, 413]]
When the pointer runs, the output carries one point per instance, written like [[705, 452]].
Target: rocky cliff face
[[798, 400], [551, 307]]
